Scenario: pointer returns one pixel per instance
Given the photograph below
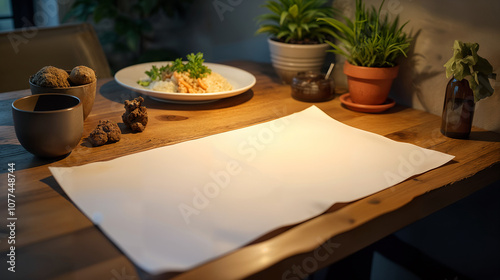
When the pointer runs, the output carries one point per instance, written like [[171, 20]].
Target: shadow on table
[[487, 136], [262, 238], [393, 110], [51, 182], [114, 92], [22, 158], [102, 238]]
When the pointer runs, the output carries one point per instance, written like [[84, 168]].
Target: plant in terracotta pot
[[372, 45], [470, 74], [296, 39]]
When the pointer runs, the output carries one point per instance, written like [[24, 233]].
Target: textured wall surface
[[435, 25], [225, 31]]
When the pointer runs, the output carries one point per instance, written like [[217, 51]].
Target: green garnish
[[155, 74], [467, 64], [194, 66], [144, 83]]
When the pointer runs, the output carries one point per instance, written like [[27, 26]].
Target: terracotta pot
[[369, 85], [290, 59]]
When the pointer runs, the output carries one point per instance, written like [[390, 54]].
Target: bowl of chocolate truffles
[[80, 82]]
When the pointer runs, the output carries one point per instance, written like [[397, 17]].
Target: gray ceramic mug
[[48, 125]]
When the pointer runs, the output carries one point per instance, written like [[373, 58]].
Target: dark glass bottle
[[458, 109]]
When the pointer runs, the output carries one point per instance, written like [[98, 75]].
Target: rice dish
[[183, 83], [191, 76], [165, 86]]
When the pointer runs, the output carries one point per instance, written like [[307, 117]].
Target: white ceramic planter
[[289, 59]]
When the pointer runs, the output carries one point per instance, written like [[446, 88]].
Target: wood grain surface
[[54, 240]]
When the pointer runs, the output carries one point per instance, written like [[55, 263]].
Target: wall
[[224, 30], [436, 24]]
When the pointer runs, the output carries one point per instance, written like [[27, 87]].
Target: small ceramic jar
[[312, 87]]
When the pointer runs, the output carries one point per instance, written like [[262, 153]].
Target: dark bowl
[[86, 94], [48, 125]]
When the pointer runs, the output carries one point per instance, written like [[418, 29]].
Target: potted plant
[[296, 39], [372, 46], [469, 83], [128, 27]]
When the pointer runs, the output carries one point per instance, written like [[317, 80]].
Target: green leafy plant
[[295, 21], [467, 64], [370, 40], [131, 24], [194, 66]]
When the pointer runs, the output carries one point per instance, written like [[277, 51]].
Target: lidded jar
[[312, 86]]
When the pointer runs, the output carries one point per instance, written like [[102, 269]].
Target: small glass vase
[[458, 109]]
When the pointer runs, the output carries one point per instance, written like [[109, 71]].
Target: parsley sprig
[[194, 66]]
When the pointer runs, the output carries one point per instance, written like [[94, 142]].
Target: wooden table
[[54, 240]]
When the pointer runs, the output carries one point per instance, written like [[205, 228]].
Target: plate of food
[[185, 81]]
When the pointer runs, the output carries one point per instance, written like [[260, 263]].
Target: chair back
[[26, 50]]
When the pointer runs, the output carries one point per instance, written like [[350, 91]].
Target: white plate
[[240, 80]]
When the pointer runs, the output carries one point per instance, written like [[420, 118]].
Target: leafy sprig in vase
[[470, 74]]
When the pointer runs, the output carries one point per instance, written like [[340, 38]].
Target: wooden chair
[[24, 51]]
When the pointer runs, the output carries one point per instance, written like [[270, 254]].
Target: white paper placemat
[[174, 207]]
